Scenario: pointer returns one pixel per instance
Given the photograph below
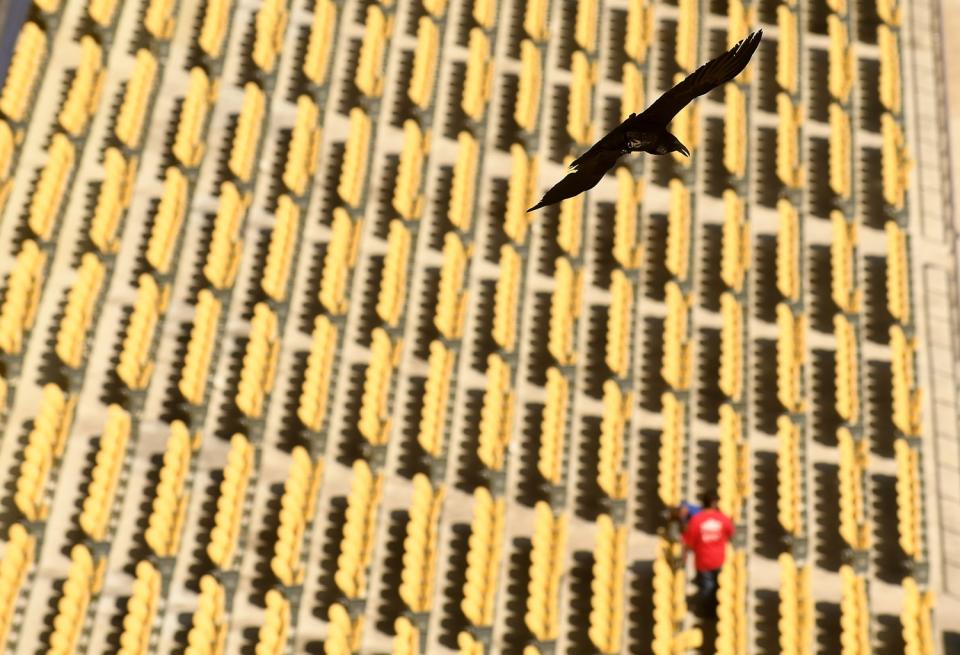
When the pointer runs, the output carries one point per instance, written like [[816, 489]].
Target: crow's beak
[[683, 149]]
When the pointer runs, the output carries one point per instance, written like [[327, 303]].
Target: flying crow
[[648, 132]]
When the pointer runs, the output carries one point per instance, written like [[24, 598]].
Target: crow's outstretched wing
[[706, 78], [592, 167]]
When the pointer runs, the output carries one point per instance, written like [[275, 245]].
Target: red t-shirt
[[707, 535]]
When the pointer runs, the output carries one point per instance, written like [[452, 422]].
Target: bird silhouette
[[647, 132]]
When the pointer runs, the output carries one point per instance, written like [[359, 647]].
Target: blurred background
[[285, 367]]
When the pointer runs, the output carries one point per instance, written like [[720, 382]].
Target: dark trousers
[[706, 582]]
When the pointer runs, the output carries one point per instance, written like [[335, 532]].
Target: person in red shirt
[[707, 535]]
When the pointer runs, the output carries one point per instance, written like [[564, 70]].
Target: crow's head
[[671, 144]]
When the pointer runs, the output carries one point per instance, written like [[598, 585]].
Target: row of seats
[[627, 251], [607, 586], [676, 367], [359, 530], [408, 198], [8, 146], [316, 61], [271, 25], [906, 393], [432, 431], [200, 348], [84, 580], [304, 149], [896, 163], [731, 346], [478, 81], [451, 306], [215, 27], [209, 624], [841, 57], [612, 472], [909, 499], [735, 130], [463, 188], [854, 613], [585, 28], [45, 445], [791, 355], [526, 111], [641, 28], [314, 396], [26, 67], [853, 455], [888, 41], [226, 241], [355, 158], [344, 632], [732, 618], [231, 503], [672, 443], [168, 221], [188, 142], [843, 244], [392, 295], [898, 273], [420, 546], [584, 76], [171, 495], [735, 243], [375, 421], [796, 607], [83, 97], [47, 199], [788, 276], [112, 450], [619, 324], [113, 199], [847, 372], [678, 230], [840, 144], [246, 139], [79, 312], [24, 285], [15, 566], [688, 36], [136, 365], [485, 549], [535, 19], [142, 609], [790, 117], [790, 476], [160, 19], [553, 427], [273, 632], [570, 228], [284, 237], [297, 508], [547, 566], [259, 361], [506, 298], [496, 414], [916, 619], [136, 99], [102, 12], [425, 62], [370, 75], [670, 603], [734, 468], [788, 47], [565, 306]]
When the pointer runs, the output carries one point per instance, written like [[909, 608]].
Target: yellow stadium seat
[[48, 195], [633, 90], [169, 507], [231, 502], [853, 463], [626, 250], [619, 324], [223, 255], [687, 35], [425, 59], [355, 159], [735, 244], [790, 117], [506, 297], [527, 110], [671, 448], [316, 61], [203, 334], [546, 568], [896, 164], [369, 77], [19, 308], [735, 131], [271, 25], [890, 11], [788, 250], [565, 304], [283, 241], [585, 29], [889, 44], [847, 368], [612, 474], [843, 246], [168, 220], [496, 415], [15, 565], [259, 361], [898, 273], [640, 29], [840, 151], [137, 95], [114, 197], [676, 349], [393, 283], [420, 546], [83, 98], [607, 598], [136, 364], [791, 354], [408, 197], [339, 260], [731, 346], [841, 72], [161, 18], [483, 558], [188, 143], [478, 83], [102, 11], [451, 298], [570, 231], [407, 639], [520, 193], [535, 19], [78, 313], [787, 48], [374, 423], [141, 610], [789, 475], [97, 505], [316, 381], [83, 581], [23, 72], [460, 211], [580, 107], [435, 7], [246, 139], [273, 633], [433, 429], [553, 428], [678, 230], [356, 547]]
